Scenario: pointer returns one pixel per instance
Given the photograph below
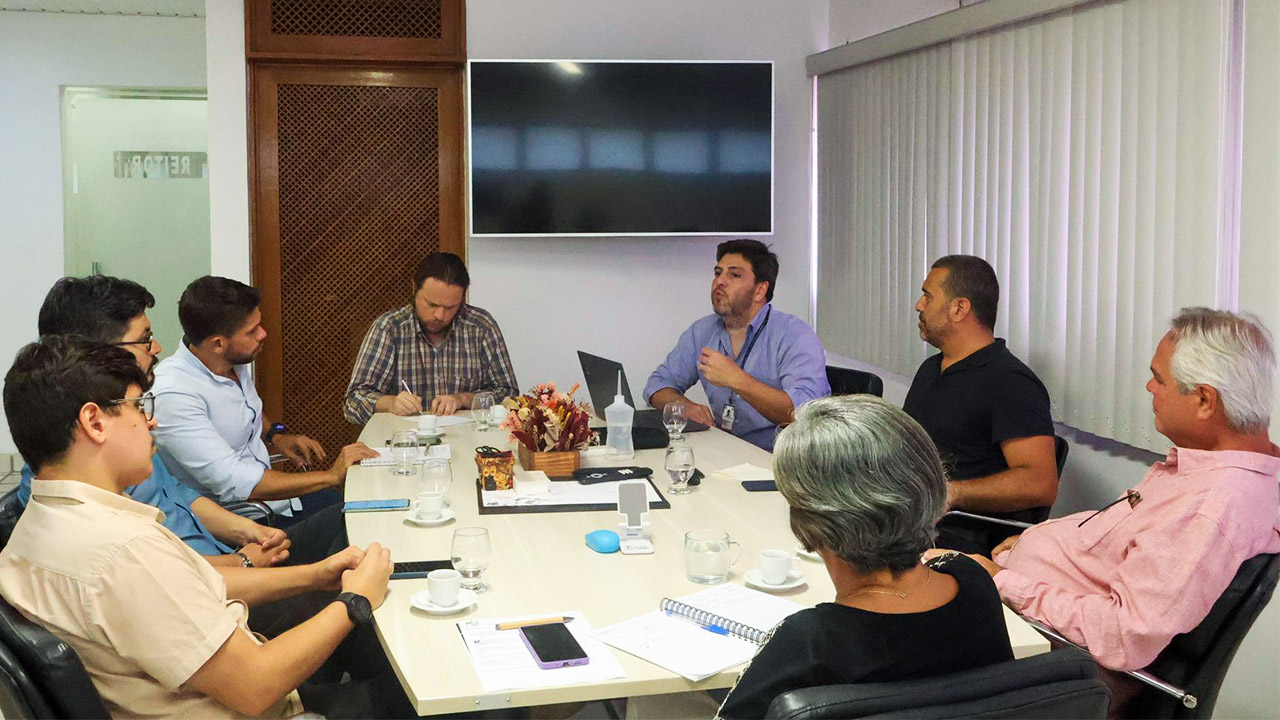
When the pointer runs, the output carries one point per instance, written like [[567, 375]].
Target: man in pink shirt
[[1124, 580]]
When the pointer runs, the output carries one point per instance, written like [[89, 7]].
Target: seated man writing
[[160, 632], [437, 347], [756, 364], [1124, 580]]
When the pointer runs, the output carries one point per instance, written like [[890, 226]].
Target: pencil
[[530, 623]]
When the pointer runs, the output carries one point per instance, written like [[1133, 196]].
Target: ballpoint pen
[[405, 385]]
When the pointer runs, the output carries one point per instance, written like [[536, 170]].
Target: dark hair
[[972, 278], [98, 307], [51, 380], [215, 306], [443, 266], [764, 264]]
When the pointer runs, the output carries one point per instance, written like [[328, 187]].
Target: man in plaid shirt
[[438, 347]]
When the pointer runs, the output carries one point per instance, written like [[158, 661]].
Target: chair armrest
[[1187, 699], [984, 518], [253, 509]]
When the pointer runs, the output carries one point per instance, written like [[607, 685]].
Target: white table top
[[542, 565]]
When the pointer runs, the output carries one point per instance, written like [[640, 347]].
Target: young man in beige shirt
[[149, 618]]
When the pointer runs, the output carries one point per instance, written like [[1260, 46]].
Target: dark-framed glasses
[[146, 404], [148, 341]]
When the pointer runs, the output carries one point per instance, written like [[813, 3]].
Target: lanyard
[[746, 351]]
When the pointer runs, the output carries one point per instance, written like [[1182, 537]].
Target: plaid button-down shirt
[[472, 358]]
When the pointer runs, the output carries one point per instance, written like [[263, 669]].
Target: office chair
[[1060, 450], [1059, 684], [10, 511], [41, 676], [257, 510], [846, 381]]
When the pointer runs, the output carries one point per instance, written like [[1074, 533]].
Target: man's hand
[[719, 369], [350, 455], [1006, 545], [302, 450], [329, 570], [249, 531], [370, 577], [445, 404], [266, 557], [406, 403], [700, 413]]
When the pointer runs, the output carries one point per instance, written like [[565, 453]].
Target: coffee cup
[[427, 424], [497, 414], [443, 586], [775, 566], [428, 505]]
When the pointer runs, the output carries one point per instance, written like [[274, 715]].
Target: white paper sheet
[[435, 452], [564, 493], [502, 662], [745, 471]]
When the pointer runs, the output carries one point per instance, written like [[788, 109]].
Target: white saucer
[[752, 576], [431, 436], [810, 556], [422, 601], [446, 515]]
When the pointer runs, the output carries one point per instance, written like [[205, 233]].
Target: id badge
[[727, 417]]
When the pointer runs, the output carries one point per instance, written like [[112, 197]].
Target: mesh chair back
[[846, 381]]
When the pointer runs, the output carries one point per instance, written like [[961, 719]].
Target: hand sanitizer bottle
[[617, 418]]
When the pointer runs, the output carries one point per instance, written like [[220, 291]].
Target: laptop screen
[[601, 375]]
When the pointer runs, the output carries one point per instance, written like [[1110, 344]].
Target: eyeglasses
[[146, 404], [148, 341]]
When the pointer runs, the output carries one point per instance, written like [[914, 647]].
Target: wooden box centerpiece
[[549, 428]]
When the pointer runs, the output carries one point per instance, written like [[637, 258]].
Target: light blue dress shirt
[[785, 353], [209, 428], [162, 491]]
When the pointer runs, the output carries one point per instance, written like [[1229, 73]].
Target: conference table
[[541, 564]]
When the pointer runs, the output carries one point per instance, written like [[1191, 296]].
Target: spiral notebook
[[702, 634]]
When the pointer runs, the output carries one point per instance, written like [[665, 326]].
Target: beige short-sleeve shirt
[[142, 610]]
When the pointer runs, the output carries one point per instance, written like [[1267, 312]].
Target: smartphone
[[374, 505], [759, 485], [553, 646], [696, 478], [417, 568]]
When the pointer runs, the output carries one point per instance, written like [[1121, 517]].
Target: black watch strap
[[274, 430], [359, 609]]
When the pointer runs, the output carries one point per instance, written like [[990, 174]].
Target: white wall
[[39, 53], [228, 140]]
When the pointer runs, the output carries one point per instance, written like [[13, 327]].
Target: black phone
[[553, 646], [696, 477], [418, 568], [759, 485]]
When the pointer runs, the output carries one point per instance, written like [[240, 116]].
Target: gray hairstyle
[[863, 480], [1231, 353]]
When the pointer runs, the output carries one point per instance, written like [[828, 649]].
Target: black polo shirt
[[976, 404]]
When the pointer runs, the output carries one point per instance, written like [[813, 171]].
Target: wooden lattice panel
[[358, 18], [359, 189]]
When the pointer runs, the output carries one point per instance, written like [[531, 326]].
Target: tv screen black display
[[625, 148]]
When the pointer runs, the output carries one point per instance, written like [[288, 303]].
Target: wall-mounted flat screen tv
[[621, 148]]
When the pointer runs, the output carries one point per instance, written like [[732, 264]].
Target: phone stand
[[633, 504]]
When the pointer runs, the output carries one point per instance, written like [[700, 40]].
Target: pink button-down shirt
[[1132, 578]]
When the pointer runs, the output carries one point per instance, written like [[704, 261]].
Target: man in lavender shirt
[[1125, 579], [755, 362]]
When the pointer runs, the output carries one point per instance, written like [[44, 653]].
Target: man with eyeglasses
[[159, 630], [1123, 581]]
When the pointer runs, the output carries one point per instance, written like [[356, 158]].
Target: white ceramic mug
[[427, 424], [443, 587], [428, 506], [775, 566]]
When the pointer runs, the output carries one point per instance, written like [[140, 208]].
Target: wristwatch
[[244, 560], [359, 611], [275, 429]]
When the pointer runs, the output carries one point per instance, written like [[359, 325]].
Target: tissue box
[[495, 467], [532, 483]]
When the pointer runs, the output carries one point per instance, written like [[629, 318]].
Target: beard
[[731, 305], [243, 358]]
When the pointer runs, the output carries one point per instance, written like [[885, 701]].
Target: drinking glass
[[674, 416], [470, 555], [404, 452], [708, 555], [437, 476], [680, 467], [480, 404]]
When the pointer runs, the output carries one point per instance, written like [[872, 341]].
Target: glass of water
[[675, 415], [480, 404], [437, 476], [470, 555], [708, 555], [404, 452], [680, 467]]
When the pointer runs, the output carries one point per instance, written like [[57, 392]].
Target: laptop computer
[[601, 375]]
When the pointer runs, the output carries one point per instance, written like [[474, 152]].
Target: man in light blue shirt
[[209, 417], [755, 362]]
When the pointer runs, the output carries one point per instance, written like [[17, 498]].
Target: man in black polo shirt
[[985, 410]]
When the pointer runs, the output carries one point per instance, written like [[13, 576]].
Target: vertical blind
[[1084, 155]]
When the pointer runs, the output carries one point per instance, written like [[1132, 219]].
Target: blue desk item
[[603, 541]]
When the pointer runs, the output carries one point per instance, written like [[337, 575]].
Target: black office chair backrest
[[1060, 449], [46, 671], [846, 381], [1197, 661], [10, 511], [1060, 684]]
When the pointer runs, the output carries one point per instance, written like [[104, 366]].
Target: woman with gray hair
[[865, 485]]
